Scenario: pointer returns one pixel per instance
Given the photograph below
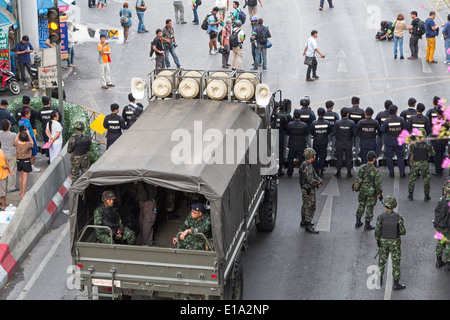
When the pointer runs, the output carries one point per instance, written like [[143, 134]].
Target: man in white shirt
[[310, 52], [223, 6]]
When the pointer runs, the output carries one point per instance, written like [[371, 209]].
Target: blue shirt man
[[23, 50], [446, 35]]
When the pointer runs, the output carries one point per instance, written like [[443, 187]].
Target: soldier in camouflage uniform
[[369, 191], [107, 215], [309, 181], [390, 226], [78, 146], [420, 152], [197, 222], [442, 247]]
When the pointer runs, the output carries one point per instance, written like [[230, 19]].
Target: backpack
[[419, 30], [234, 38], [198, 3], [219, 36], [242, 16], [262, 36], [441, 215], [205, 22], [123, 19]]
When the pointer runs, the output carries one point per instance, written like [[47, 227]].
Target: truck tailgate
[[147, 268]]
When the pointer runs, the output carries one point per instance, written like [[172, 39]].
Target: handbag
[[308, 61], [268, 44]]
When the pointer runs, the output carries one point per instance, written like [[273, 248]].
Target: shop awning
[[43, 5], [7, 19]]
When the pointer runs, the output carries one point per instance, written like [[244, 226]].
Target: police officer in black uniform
[[344, 130], [411, 111], [331, 116], [306, 115], [297, 132], [279, 121], [381, 117], [320, 130], [128, 110], [391, 129], [367, 129], [114, 123], [419, 121], [356, 114], [44, 116], [432, 113]]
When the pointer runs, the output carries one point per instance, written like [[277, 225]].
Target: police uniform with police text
[[367, 129], [320, 130], [391, 129], [297, 132], [114, 123], [344, 130]]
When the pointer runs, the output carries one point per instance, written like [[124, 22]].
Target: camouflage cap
[[309, 153], [79, 126], [390, 202], [447, 187], [108, 195]]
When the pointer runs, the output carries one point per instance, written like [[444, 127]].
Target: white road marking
[[332, 189]]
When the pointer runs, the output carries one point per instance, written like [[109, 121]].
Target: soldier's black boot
[[303, 223], [311, 229], [439, 262], [427, 197], [368, 226], [358, 222], [447, 267], [410, 196], [381, 281], [397, 285]]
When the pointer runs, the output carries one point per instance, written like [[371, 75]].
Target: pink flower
[[441, 102], [415, 132], [438, 235], [448, 51], [446, 113], [448, 70], [446, 163], [437, 121], [421, 5], [401, 139], [436, 130]]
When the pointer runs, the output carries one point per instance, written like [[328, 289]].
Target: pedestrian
[[320, 130], [254, 25], [411, 111], [344, 130], [91, 3], [23, 144], [101, 4], [194, 10], [197, 222], [389, 228], [128, 110], [158, 48], [419, 120], [310, 56], [70, 44], [400, 27], [104, 60], [225, 44], [392, 127], [237, 38], [168, 37], [140, 11], [179, 11], [147, 211], [309, 182], [368, 130], [432, 113], [222, 6], [213, 29], [5, 170], [114, 123], [54, 134], [125, 20], [330, 3], [297, 132], [261, 35], [253, 7], [25, 122], [44, 116], [415, 36], [107, 215], [431, 31], [386, 31], [78, 147], [7, 142], [369, 191], [439, 146], [23, 50], [446, 35], [307, 115], [441, 223], [5, 113], [420, 152], [235, 15]]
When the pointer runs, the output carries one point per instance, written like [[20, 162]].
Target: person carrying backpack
[[211, 25], [262, 35], [237, 38], [125, 20], [417, 30], [441, 223], [252, 7], [238, 14]]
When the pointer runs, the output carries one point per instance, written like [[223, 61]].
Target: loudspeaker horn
[[262, 94], [138, 88]]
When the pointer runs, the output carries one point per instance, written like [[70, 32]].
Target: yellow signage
[[97, 124]]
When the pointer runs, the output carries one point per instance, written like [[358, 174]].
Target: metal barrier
[[93, 115]]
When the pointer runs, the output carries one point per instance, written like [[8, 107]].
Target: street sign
[[48, 77]]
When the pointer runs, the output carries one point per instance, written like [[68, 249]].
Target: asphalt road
[[287, 263]]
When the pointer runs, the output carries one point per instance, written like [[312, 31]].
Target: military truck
[[239, 195]]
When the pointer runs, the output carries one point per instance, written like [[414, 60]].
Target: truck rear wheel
[[268, 208], [235, 283]]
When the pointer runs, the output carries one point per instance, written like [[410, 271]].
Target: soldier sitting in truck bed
[[197, 222], [107, 215]]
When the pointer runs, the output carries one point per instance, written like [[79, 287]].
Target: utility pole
[[59, 68]]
